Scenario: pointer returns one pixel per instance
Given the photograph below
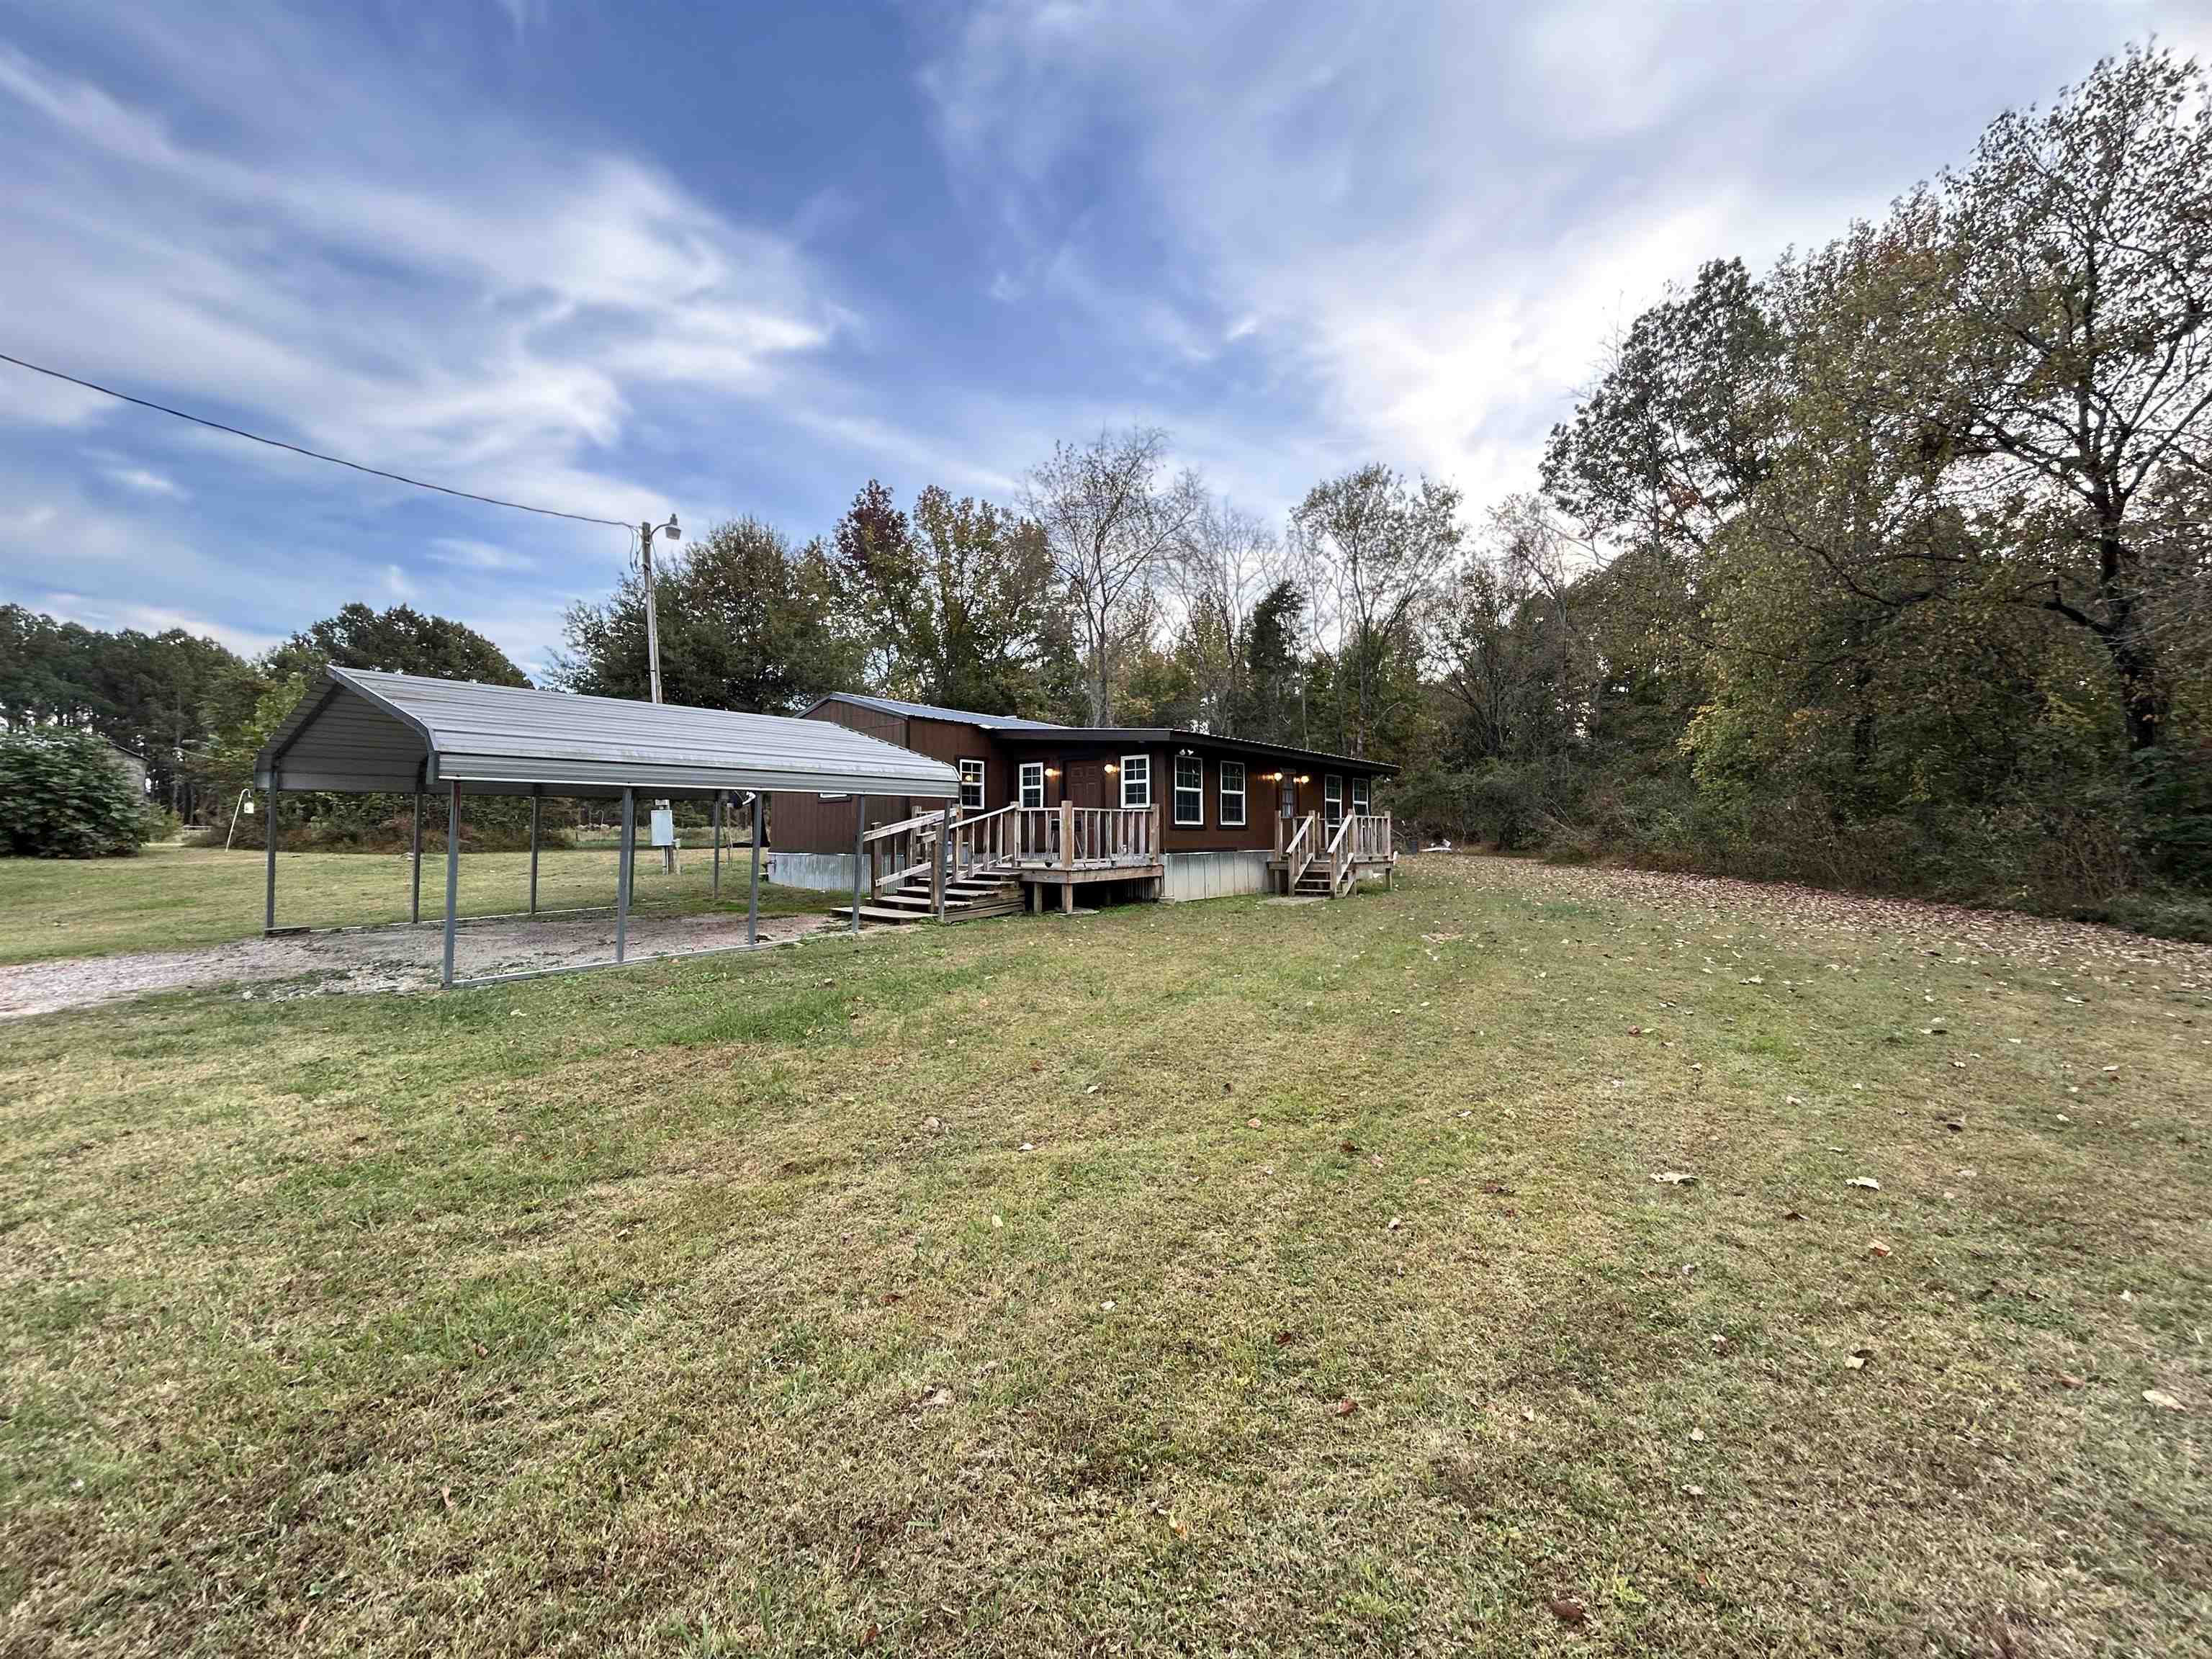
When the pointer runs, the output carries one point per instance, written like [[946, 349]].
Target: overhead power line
[[312, 454]]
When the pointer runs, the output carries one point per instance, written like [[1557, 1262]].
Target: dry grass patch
[[1196, 1278]]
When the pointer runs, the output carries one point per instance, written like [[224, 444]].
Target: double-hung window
[[1232, 794], [1333, 799], [1359, 796], [1189, 791], [971, 786], [1136, 779], [1033, 783]]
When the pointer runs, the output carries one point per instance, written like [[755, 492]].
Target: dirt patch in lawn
[[353, 960]]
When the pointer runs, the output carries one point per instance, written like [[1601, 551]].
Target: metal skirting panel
[[1216, 875], [828, 873]]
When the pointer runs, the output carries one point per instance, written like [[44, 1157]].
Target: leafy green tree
[[63, 796], [400, 640], [746, 621]]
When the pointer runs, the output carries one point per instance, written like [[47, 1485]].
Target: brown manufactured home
[[1129, 810]]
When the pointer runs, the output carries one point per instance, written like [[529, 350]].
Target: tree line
[[1885, 566]]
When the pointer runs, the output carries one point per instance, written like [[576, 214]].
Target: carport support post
[[535, 803], [859, 855], [269, 838], [452, 872], [622, 873], [752, 899], [414, 852], [717, 810]]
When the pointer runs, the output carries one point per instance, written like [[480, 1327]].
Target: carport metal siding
[[399, 731], [363, 733]]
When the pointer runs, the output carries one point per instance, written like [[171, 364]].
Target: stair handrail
[[1295, 861], [1338, 863]]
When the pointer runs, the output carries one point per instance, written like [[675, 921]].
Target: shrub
[[62, 797]]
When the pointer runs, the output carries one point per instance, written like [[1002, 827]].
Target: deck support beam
[[452, 874], [624, 863]]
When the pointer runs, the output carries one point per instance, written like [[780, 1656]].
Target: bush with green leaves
[[62, 796]]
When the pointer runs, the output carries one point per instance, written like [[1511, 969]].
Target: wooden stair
[[967, 898], [1314, 883]]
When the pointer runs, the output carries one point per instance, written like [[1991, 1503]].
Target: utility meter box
[[664, 827]]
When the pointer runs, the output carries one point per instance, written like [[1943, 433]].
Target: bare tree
[[1227, 561], [1112, 517], [1381, 545]]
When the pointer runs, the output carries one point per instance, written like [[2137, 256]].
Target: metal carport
[[363, 733]]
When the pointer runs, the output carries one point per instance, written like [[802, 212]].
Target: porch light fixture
[[1302, 778], [1052, 771], [1110, 767]]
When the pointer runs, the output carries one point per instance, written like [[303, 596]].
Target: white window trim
[[1029, 769], [1146, 762], [1176, 792], [1243, 783], [982, 780], [1332, 794], [1363, 788]]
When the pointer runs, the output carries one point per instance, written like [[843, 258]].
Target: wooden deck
[[945, 867]]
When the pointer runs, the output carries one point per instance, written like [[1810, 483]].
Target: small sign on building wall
[[664, 827]]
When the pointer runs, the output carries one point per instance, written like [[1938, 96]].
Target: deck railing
[[1370, 841], [1298, 855], [1071, 837]]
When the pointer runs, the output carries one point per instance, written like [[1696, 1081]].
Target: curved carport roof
[[363, 732]]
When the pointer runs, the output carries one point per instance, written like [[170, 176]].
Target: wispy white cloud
[[478, 556], [145, 481]]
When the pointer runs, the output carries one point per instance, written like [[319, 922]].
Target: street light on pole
[[646, 532]]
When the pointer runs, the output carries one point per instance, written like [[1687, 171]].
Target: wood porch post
[[938, 865]]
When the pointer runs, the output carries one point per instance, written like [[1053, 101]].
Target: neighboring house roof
[[930, 711], [362, 731]]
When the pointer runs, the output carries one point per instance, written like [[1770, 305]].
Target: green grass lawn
[[168, 897], [1182, 1279]]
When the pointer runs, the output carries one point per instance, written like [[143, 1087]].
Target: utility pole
[[645, 534], [646, 531]]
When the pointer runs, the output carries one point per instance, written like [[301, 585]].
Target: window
[[1232, 794], [1333, 798], [1136, 779], [1359, 796], [971, 786], [1032, 783], [1190, 790]]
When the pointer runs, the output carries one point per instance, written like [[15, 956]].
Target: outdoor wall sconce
[[1111, 769], [1302, 778], [1052, 771]]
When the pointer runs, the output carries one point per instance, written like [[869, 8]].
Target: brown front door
[[1087, 783]]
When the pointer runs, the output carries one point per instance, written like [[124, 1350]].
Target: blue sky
[[622, 259]]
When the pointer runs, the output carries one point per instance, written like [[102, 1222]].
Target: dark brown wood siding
[[805, 823]]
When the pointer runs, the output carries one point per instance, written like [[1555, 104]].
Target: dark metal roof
[[1141, 735], [930, 711], [361, 732]]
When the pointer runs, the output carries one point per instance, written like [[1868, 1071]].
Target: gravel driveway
[[399, 958]]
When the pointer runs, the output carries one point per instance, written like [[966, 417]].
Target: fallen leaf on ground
[[1569, 1610], [1877, 1246], [1867, 1182], [2163, 1401], [1674, 1178], [1343, 1407]]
